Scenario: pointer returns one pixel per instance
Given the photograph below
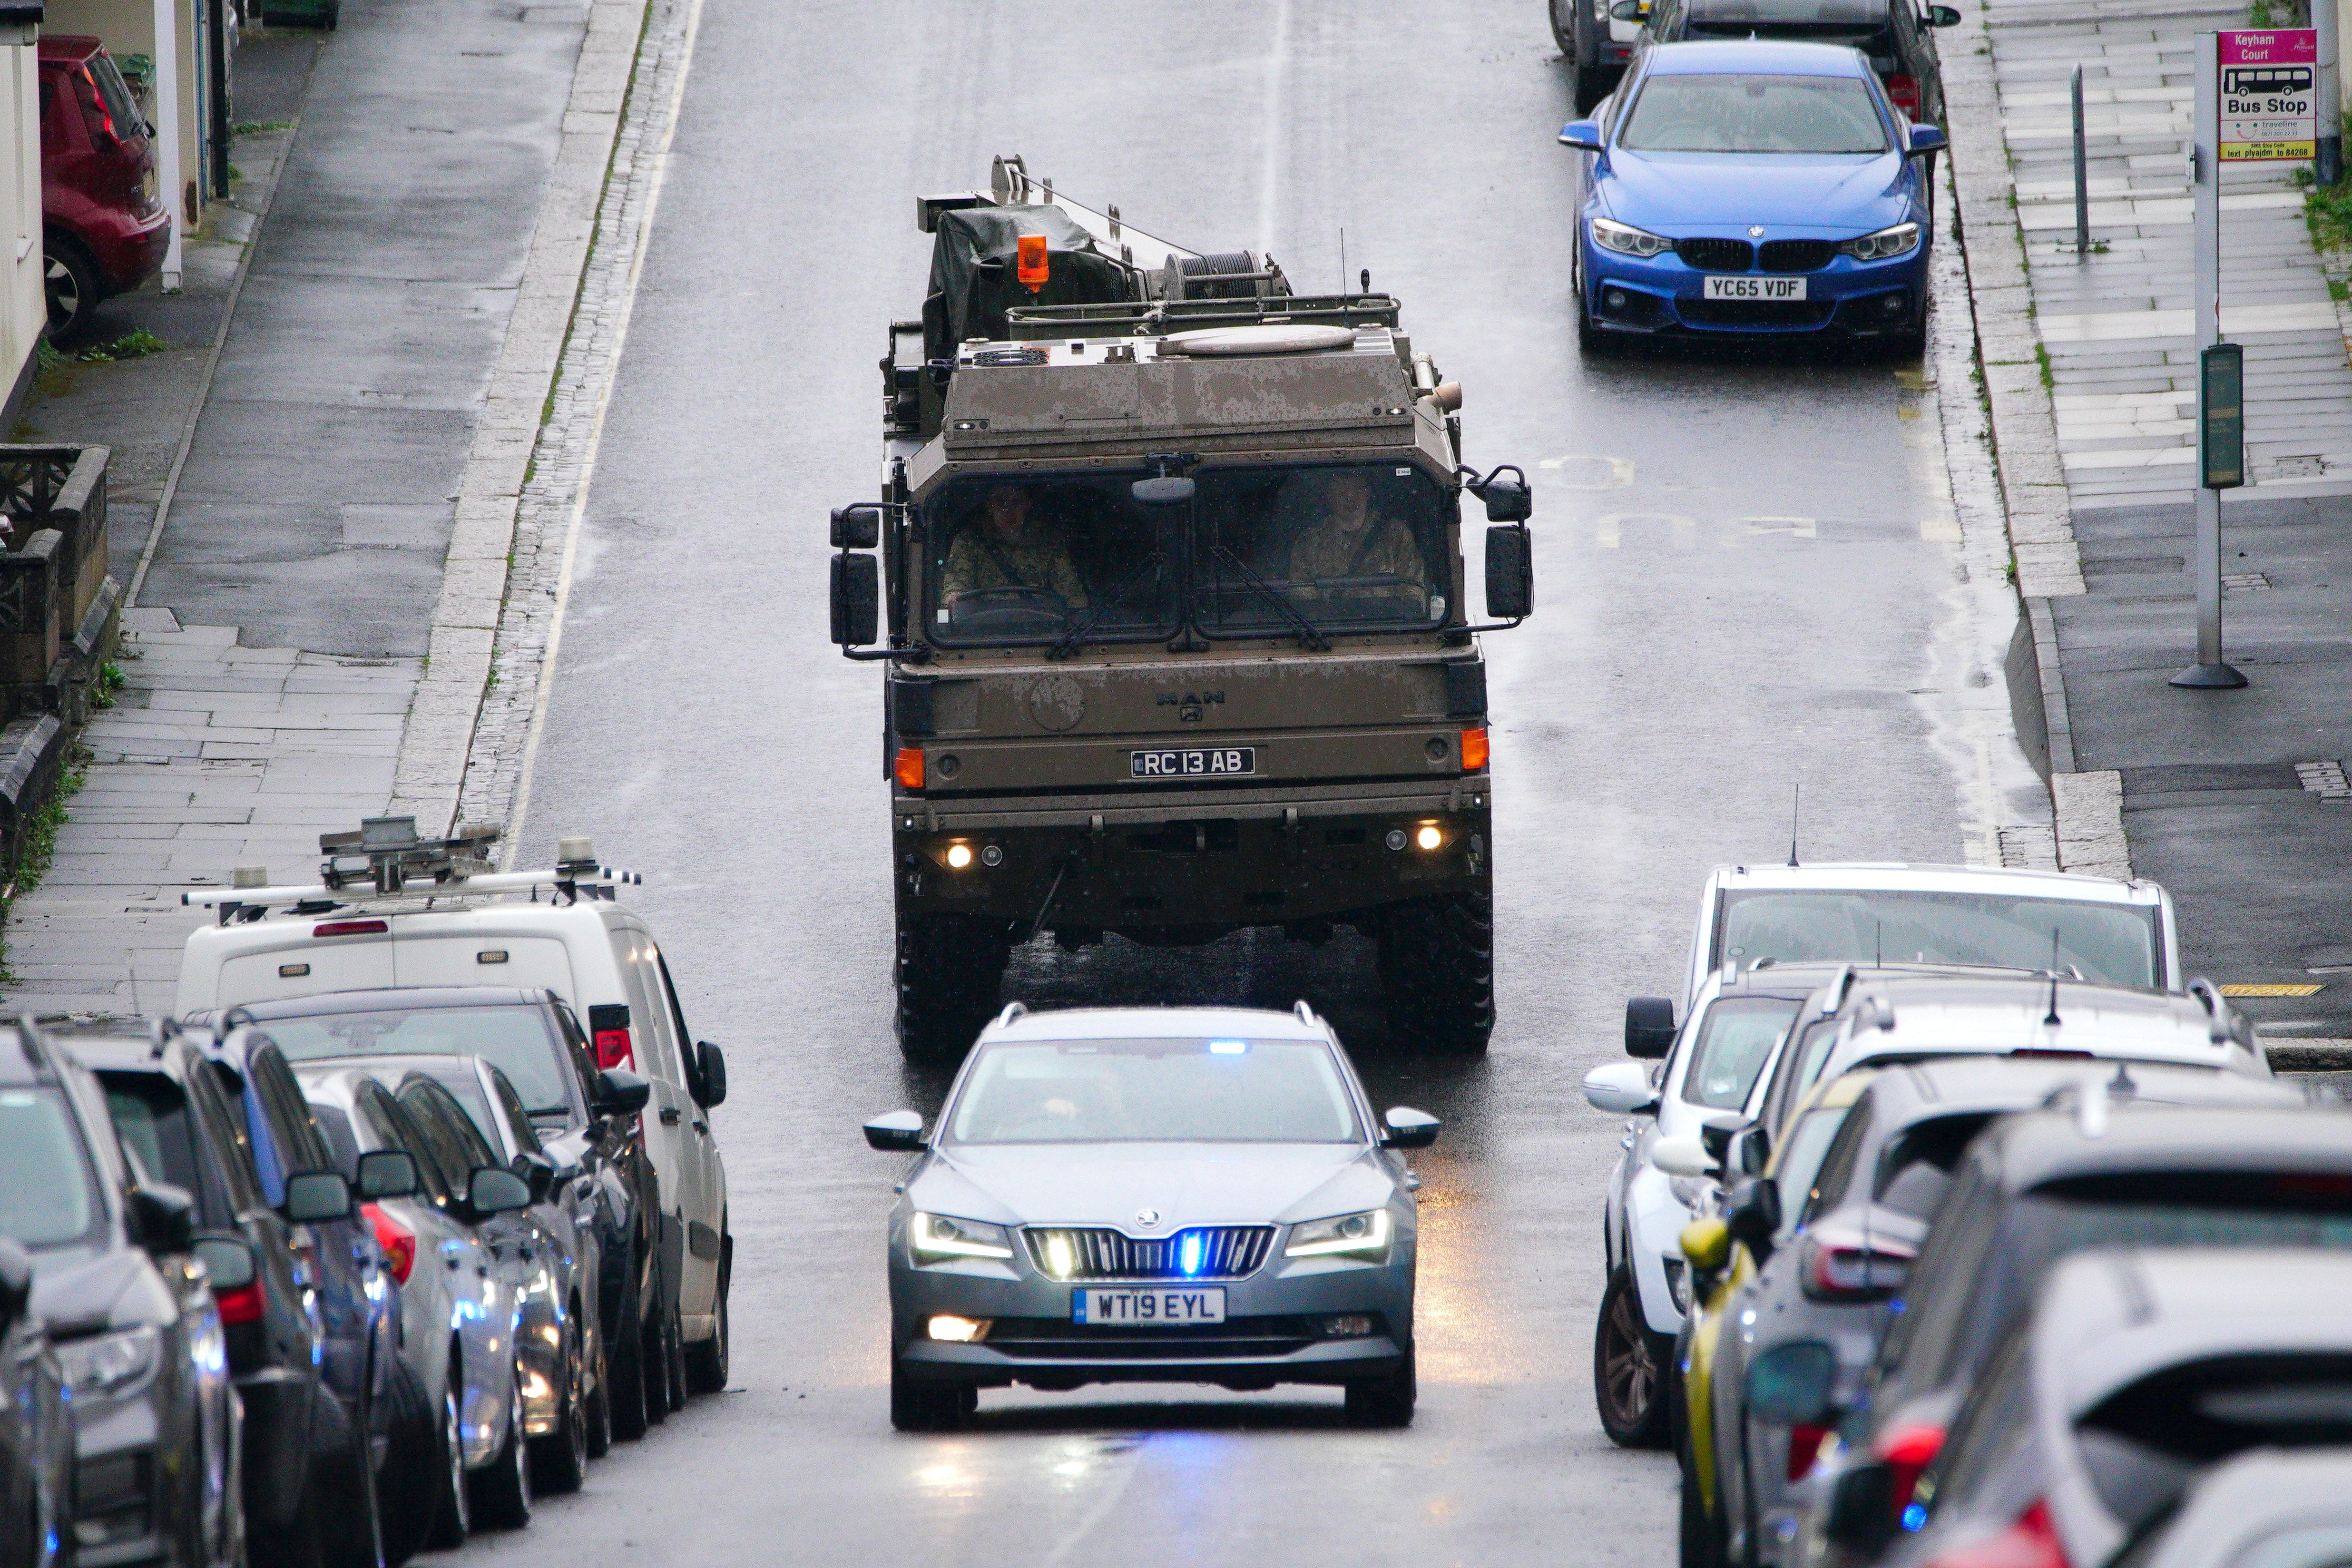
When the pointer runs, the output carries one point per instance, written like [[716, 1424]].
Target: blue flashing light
[[1227, 1047], [1188, 1253], [1916, 1516]]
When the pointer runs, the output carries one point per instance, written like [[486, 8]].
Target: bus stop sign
[[2270, 95]]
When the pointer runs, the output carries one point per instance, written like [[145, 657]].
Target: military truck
[[1175, 635]]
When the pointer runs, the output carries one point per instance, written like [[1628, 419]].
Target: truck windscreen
[[1032, 559]]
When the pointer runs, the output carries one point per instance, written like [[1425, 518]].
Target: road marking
[[1794, 527], [2246, 990], [1621, 472]]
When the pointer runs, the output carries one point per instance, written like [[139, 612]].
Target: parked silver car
[[1165, 1195]]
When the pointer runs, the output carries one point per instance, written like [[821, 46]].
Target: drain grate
[[2245, 580], [2029, 849], [2325, 780]]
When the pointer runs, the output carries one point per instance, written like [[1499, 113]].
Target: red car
[[104, 223]]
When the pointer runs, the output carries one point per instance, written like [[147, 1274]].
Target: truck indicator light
[[909, 767], [1031, 260], [1473, 749]]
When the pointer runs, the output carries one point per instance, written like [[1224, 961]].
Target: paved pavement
[[2225, 797]]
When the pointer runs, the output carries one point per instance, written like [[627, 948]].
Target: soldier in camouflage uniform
[[1003, 548], [1348, 541]]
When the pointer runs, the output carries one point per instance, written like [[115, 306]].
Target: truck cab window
[[1349, 547], [1025, 560]]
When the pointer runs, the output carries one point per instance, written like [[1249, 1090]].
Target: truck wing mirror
[[1649, 1026], [1510, 573], [857, 600], [856, 527]]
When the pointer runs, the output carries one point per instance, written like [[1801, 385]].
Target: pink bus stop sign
[[2270, 95]]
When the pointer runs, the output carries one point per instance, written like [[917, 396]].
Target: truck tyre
[[1437, 970], [951, 968]]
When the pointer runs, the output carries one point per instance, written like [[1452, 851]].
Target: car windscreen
[[2115, 945], [1028, 559], [1735, 1040], [48, 1196], [2142, 1445], [517, 1038], [1155, 1091], [1753, 114], [1338, 546]]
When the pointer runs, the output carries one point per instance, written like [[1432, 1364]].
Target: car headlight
[[1363, 1235], [1900, 241], [935, 1235], [110, 1365], [1627, 240]]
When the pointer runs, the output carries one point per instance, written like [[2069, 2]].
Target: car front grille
[[1797, 255], [1717, 255], [1227, 1252], [1756, 313], [1058, 1338]]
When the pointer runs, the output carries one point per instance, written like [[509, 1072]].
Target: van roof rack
[[386, 860]]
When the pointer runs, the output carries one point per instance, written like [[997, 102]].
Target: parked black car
[[587, 1122], [1859, 1178], [2137, 1372], [313, 1337], [1898, 36], [2041, 1187], [131, 1318], [36, 1437]]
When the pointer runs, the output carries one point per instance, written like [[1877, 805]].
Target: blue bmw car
[[1753, 188]]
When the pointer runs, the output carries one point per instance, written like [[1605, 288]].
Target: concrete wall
[[128, 27]]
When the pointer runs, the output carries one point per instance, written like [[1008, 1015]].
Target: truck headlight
[[1886, 244], [1361, 1234], [1627, 240], [108, 1365], [935, 1236]]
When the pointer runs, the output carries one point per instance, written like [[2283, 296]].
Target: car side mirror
[[162, 1217], [857, 600], [710, 1075], [1409, 1129], [1682, 1157], [1649, 1026], [388, 1174], [1583, 135], [1748, 1151], [1621, 1089], [1628, 11], [618, 1092], [314, 1197], [1861, 1508], [537, 1172], [16, 1281], [1715, 1136], [1928, 139], [1510, 571], [899, 1132], [493, 1189], [1791, 1385], [856, 527], [1706, 1245], [1943, 16], [1753, 1216], [228, 1260]]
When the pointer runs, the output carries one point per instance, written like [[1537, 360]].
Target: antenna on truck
[[385, 859]]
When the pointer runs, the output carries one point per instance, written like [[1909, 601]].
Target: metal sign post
[[2257, 101]]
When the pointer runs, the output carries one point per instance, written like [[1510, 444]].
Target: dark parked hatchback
[[1896, 35]]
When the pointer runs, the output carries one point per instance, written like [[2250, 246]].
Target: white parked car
[[394, 911]]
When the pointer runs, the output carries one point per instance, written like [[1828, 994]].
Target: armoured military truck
[[1175, 628]]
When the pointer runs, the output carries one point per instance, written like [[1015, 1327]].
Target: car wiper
[[1115, 599], [1308, 637]]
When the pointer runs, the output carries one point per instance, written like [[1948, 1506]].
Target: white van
[[593, 953]]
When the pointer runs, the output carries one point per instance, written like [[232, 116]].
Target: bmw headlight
[[1885, 245], [1627, 240], [934, 1237], [1357, 1235], [107, 1365]]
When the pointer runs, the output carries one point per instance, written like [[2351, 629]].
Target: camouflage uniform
[[980, 559], [1382, 547]]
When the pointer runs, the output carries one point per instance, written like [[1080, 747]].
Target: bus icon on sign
[[2254, 81]]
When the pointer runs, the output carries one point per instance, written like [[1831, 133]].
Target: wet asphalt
[[1744, 585]]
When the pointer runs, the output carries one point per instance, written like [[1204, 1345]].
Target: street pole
[[2081, 177], [167, 112], [2209, 671], [2327, 152]]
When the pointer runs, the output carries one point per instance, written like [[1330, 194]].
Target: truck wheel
[[951, 968], [1437, 967]]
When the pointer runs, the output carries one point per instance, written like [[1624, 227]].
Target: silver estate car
[[1167, 1195]]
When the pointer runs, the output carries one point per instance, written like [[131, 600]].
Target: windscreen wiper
[[1115, 598], [1308, 637]]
